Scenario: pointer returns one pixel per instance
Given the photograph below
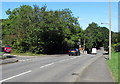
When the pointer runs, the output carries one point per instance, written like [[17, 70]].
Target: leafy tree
[[96, 36], [39, 30], [115, 37]]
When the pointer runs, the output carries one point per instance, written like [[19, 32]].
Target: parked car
[[74, 52], [7, 49], [117, 48]]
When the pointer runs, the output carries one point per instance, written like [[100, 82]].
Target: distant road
[[56, 68]]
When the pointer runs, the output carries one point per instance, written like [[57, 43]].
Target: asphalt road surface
[[53, 68]]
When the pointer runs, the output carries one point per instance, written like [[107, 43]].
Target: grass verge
[[113, 64]]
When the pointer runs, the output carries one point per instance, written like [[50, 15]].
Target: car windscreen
[[8, 46]]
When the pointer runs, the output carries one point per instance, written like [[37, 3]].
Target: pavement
[[98, 71]]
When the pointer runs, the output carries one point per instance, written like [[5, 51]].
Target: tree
[[115, 38], [39, 30], [96, 36]]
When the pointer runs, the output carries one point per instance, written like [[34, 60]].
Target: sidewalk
[[98, 71]]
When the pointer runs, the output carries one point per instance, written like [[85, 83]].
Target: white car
[[94, 51]]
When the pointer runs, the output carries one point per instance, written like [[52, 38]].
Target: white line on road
[[46, 65], [25, 60], [15, 76], [68, 59], [61, 61], [73, 58]]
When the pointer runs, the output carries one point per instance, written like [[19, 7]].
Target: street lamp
[[110, 9], [110, 29]]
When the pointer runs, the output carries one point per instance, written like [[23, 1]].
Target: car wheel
[[16, 60]]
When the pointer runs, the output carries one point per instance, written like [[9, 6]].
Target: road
[[53, 68]]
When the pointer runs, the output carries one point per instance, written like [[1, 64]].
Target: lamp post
[[110, 14], [80, 43], [110, 29]]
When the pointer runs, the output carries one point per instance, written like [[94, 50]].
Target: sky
[[87, 12], [59, 0]]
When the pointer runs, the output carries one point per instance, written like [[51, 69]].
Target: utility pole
[[110, 28], [84, 43], [84, 46], [110, 14], [80, 43]]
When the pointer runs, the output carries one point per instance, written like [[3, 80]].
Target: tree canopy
[[39, 30], [96, 36]]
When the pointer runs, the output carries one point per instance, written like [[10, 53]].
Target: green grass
[[1, 53], [113, 64]]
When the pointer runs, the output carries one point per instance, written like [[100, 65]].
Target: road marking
[[61, 61], [73, 58], [68, 59], [15, 76], [46, 65], [25, 60], [28, 59]]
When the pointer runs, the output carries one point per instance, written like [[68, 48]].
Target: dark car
[[117, 48], [74, 52]]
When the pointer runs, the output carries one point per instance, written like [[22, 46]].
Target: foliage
[[39, 30], [96, 36], [115, 38]]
